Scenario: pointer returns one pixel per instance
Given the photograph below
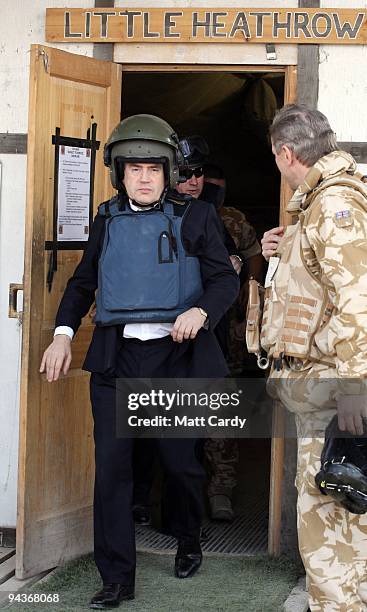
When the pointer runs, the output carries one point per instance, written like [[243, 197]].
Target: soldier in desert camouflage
[[315, 333], [244, 237], [223, 453]]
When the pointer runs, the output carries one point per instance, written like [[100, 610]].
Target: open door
[[278, 440], [70, 92]]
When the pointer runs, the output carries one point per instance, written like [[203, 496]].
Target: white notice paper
[[73, 193]]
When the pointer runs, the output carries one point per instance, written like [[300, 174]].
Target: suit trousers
[[114, 532]]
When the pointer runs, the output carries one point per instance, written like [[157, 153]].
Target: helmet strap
[[163, 196]]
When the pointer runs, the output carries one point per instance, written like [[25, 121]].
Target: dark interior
[[233, 112]]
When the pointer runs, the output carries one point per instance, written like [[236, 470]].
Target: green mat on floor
[[223, 584]]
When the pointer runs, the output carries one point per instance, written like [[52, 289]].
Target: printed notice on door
[[73, 193]]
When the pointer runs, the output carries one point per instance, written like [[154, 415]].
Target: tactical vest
[[144, 272], [299, 303]]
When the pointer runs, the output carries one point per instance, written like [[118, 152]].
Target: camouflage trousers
[[236, 342], [222, 456], [332, 541]]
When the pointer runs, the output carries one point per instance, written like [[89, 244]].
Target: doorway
[[72, 92], [232, 111]]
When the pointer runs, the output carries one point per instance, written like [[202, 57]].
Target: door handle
[[13, 301]]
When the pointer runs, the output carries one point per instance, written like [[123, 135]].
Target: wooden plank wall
[[13, 143], [17, 143], [357, 149], [103, 51], [308, 66]]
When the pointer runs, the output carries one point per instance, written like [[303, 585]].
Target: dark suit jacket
[[201, 237], [213, 194]]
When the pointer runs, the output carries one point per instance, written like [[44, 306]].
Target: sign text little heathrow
[[344, 26]]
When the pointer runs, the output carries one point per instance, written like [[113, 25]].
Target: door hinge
[[13, 302], [42, 53]]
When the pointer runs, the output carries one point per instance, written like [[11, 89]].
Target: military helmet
[[343, 473], [194, 151], [142, 138]]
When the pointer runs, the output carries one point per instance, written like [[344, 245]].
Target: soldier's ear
[[289, 155]]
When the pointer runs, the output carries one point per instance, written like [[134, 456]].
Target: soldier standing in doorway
[[315, 333], [223, 453], [207, 182], [244, 236]]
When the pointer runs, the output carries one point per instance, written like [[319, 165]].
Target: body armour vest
[[299, 302], [144, 272]]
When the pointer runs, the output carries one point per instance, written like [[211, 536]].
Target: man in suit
[[194, 153], [143, 331]]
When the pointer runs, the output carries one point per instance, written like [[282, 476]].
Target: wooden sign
[[326, 26]]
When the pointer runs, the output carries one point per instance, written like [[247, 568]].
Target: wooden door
[[70, 92], [278, 441]]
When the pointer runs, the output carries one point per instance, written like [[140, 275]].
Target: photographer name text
[[185, 421]]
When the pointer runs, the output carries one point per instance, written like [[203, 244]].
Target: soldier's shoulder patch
[[343, 218], [342, 214]]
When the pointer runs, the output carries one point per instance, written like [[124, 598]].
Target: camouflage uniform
[[242, 232], [223, 454], [332, 541], [244, 237]]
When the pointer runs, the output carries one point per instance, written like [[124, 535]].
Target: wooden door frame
[[277, 450], [47, 62], [278, 441]]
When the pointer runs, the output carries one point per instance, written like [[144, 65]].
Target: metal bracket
[[271, 53], [262, 362], [13, 299], [42, 53]]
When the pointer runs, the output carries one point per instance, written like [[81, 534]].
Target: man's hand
[[270, 241], [56, 357], [351, 410], [93, 312], [187, 325], [236, 263]]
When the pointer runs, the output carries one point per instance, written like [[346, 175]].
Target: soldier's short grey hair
[[305, 131]]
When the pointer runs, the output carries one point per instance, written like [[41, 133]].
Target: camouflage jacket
[[241, 231], [335, 223]]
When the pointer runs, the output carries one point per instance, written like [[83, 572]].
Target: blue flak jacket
[[201, 237], [161, 280]]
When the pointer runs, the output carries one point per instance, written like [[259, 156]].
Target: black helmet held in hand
[[139, 139], [343, 473]]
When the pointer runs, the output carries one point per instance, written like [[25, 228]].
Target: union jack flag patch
[[342, 214]]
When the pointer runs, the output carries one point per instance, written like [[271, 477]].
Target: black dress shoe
[[111, 595], [188, 558], [142, 515]]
